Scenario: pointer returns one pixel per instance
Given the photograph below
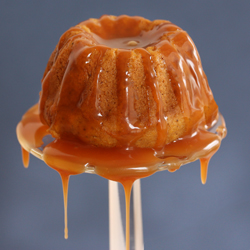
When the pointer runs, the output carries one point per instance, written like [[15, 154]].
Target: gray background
[[179, 212]]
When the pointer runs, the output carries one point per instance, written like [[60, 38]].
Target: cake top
[[126, 32]]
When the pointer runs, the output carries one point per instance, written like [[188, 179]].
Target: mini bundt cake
[[125, 81]]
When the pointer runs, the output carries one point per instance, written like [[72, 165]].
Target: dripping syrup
[[25, 157], [124, 165]]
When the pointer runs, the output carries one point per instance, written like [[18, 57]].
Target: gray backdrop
[[179, 212]]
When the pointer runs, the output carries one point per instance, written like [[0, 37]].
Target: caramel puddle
[[124, 165]]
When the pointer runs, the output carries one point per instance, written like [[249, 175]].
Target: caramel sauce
[[121, 164], [151, 82], [26, 157], [204, 166], [65, 185], [126, 163], [127, 184]]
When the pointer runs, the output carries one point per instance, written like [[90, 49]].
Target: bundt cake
[[125, 81]]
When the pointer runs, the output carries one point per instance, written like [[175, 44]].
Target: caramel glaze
[[121, 164], [125, 162]]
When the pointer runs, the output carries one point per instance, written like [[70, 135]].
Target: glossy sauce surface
[[120, 164]]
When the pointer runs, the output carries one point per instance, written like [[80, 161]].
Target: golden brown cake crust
[[125, 81]]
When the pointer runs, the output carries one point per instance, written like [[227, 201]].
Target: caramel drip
[[126, 113], [78, 45], [71, 97], [127, 185], [94, 96], [151, 82], [30, 130], [204, 166], [25, 157], [125, 108], [187, 49], [65, 185], [174, 66], [93, 102], [187, 84], [203, 97]]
